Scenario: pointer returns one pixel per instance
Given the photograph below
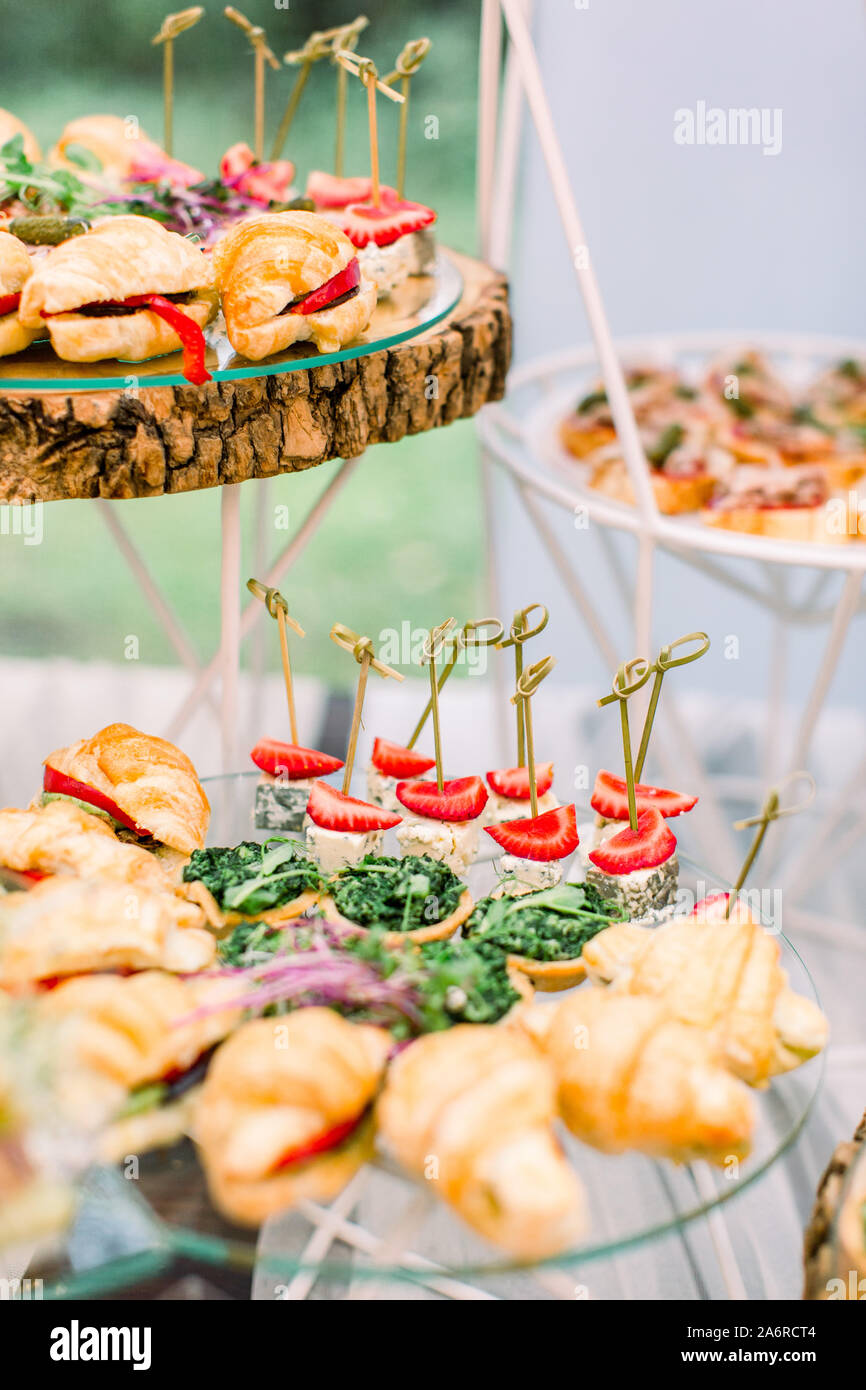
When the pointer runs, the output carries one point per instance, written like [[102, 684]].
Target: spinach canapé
[[554, 924], [251, 878], [397, 894]]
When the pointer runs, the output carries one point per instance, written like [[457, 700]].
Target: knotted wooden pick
[[527, 684], [433, 644], [263, 55], [407, 64], [366, 70], [470, 635], [363, 652], [630, 677], [172, 26], [346, 39], [770, 811], [521, 631], [318, 46], [279, 609], [665, 661]]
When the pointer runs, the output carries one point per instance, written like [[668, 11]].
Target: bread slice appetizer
[[723, 975], [642, 1079], [536, 848], [288, 773], [341, 830], [16, 267], [790, 504], [838, 397], [391, 237], [389, 764], [127, 289], [444, 824], [509, 795], [291, 277], [285, 1112], [544, 932], [146, 785], [142, 1043], [472, 1110], [73, 926], [415, 898], [636, 871], [590, 426], [271, 882], [675, 493]]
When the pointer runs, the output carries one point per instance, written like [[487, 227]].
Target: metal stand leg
[[230, 606]]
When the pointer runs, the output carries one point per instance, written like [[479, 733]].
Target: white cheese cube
[[340, 849], [500, 809], [382, 790], [281, 805], [521, 876], [455, 843]]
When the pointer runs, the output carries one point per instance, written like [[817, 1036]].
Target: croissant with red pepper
[[127, 289], [16, 268]]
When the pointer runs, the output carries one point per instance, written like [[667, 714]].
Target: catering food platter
[[387, 1229]]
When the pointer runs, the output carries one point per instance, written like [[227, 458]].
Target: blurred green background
[[403, 541]]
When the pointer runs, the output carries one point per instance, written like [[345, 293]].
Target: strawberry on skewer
[[510, 793], [443, 824], [535, 849], [389, 764], [637, 870], [341, 830], [288, 772]]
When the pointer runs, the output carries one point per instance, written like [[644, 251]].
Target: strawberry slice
[[292, 761], [651, 844], [328, 1139], [552, 835], [610, 798], [513, 782], [332, 810], [463, 798], [329, 191], [363, 222], [392, 760]]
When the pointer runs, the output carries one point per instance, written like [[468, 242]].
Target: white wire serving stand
[[520, 436]]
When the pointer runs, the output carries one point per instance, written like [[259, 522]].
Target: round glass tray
[[385, 1226], [416, 305]]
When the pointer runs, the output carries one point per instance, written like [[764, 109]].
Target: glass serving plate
[[387, 1229], [416, 305]]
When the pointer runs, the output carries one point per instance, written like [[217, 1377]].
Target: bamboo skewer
[[467, 636], [318, 46], [363, 652], [665, 662], [527, 683], [365, 69], [433, 644], [279, 609], [630, 677], [172, 26], [521, 632], [345, 39], [408, 63], [770, 811], [263, 55]]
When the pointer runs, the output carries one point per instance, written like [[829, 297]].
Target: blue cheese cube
[[281, 805], [340, 849], [519, 876], [643, 892]]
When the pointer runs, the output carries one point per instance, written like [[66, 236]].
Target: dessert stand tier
[[436, 352], [386, 1231]]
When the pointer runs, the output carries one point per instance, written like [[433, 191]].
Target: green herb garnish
[[591, 401], [670, 438], [554, 924], [742, 408], [397, 894], [38, 187], [253, 878], [803, 415]]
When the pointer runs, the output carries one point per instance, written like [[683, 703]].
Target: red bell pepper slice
[[9, 303], [54, 781], [342, 283], [191, 336], [329, 1139]]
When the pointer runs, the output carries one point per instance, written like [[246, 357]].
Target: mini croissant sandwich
[[71, 926], [472, 1110], [147, 786], [127, 289], [285, 1111], [62, 838], [16, 267], [142, 1045], [291, 277]]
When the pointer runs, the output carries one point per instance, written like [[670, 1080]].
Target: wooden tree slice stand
[[167, 439], [819, 1245]]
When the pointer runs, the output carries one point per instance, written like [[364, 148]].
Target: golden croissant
[[472, 1110], [150, 1030], [61, 837], [16, 267], [71, 926], [631, 1077], [721, 975], [285, 1111]]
